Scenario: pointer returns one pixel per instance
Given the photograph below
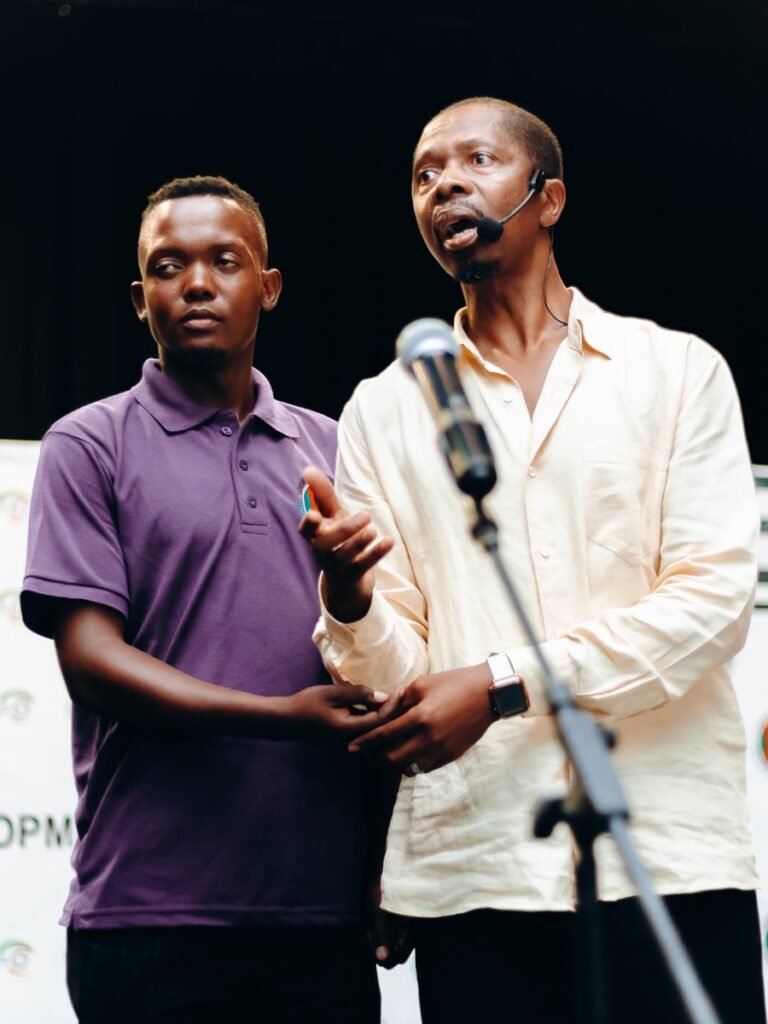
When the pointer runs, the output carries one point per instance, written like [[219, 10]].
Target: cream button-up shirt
[[627, 517]]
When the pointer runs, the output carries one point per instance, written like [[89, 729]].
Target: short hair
[[536, 137], [209, 185]]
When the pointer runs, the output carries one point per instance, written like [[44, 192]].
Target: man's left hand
[[442, 716]]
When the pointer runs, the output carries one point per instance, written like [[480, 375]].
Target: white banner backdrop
[[37, 793]]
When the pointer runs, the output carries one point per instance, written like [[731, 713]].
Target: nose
[[199, 282], [450, 182]]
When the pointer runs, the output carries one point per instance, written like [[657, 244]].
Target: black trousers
[[520, 967], [222, 975]]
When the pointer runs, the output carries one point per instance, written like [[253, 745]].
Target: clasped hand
[[437, 717]]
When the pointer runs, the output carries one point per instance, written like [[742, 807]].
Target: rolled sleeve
[[387, 648]]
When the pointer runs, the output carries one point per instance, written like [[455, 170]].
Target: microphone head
[[489, 230], [427, 337]]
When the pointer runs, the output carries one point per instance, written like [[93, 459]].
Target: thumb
[[325, 496]]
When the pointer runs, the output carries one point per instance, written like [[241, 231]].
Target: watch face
[[510, 699]]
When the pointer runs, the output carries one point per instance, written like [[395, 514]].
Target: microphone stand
[[595, 804]]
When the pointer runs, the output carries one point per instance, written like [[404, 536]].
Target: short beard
[[196, 361], [476, 271]]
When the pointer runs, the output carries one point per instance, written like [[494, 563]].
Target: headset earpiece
[[536, 184]]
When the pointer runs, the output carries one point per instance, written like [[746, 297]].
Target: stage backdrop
[[37, 794]]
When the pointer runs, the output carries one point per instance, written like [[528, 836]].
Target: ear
[[552, 202], [137, 298], [271, 285]]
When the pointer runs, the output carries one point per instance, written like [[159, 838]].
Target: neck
[[509, 313], [225, 386]]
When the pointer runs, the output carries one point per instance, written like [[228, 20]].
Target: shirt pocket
[[623, 490]]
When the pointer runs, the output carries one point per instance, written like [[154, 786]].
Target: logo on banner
[[16, 705], [34, 831], [15, 956], [10, 607], [14, 506], [762, 746]]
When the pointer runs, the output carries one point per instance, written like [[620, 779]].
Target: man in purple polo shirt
[[216, 868]]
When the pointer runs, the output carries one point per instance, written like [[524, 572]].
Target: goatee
[[476, 271]]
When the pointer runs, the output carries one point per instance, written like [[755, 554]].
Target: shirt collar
[[176, 412], [588, 325]]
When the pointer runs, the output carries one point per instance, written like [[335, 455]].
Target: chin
[[475, 271], [197, 359]]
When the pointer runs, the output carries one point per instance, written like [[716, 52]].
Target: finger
[[348, 549], [353, 567], [392, 706], [310, 524], [329, 535], [386, 737], [355, 724], [349, 695], [404, 945], [326, 499], [350, 567], [390, 938]]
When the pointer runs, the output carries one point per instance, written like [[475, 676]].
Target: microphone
[[428, 349], [490, 230]]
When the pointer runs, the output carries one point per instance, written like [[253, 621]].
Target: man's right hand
[[346, 546], [337, 711]]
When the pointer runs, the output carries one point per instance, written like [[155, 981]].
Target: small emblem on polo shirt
[[306, 499]]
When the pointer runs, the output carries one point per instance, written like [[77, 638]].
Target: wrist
[[343, 604], [507, 694], [276, 718]]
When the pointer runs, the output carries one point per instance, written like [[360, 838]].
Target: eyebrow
[[167, 247], [430, 151]]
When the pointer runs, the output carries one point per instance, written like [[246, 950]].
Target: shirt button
[[252, 502], [531, 471], [226, 431], [545, 551], [243, 464]]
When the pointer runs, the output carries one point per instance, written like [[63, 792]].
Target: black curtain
[[315, 109]]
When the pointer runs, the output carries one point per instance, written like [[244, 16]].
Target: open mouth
[[457, 231]]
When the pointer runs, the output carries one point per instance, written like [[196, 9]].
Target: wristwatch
[[506, 692]]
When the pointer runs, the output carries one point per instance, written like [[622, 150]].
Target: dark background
[[315, 108]]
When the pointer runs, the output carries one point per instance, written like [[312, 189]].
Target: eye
[[165, 268], [481, 159], [426, 175], [227, 260]]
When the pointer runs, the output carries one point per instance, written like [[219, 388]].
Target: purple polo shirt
[[186, 523]]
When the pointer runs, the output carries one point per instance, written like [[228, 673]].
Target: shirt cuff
[[337, 640], [528, 667]]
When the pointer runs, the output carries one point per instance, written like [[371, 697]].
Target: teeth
[[458, 226]]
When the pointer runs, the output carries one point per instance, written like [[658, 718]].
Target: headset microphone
[[490, 230]]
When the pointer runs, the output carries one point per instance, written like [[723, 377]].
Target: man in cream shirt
[[627, 516]]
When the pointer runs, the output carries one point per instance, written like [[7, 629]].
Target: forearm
[[633, 659], [112, 678], [109, 676], [383, 650]]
